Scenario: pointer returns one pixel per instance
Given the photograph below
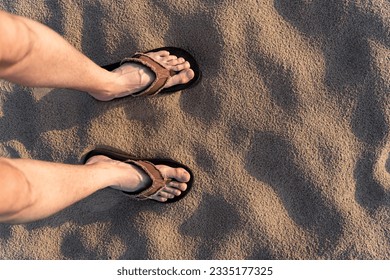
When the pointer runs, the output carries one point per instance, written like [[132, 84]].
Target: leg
[[32, 54], [31, 190]]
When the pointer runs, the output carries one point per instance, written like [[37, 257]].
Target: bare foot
[[131, 179], [132, 77]]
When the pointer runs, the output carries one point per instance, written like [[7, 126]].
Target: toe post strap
[[161, 73], [158, 180]]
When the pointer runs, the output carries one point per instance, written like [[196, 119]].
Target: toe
[[160, 198], [179, 61], [178, 174], [163, 53], [168, 192], [176, 187], [181, 66], [165, 194], [183, 77], [171, 58]]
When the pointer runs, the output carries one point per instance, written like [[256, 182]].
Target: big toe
[[183, 77], [178, 174]]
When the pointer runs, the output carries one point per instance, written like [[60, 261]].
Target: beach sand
[[287, 133]]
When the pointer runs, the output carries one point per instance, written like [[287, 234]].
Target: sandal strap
[[158, 180], [161, 73]]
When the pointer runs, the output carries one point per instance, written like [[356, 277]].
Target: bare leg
[[31, 190], [32, 54]]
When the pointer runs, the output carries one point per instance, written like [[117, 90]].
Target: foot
[[130, 178], [131, 77]]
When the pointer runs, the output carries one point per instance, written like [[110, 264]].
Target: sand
[[287, 133]]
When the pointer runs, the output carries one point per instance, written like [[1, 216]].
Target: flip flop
[[148, 166], [162, 74]]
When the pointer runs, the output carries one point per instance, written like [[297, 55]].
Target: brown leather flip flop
[[149, 167], [162, 74]]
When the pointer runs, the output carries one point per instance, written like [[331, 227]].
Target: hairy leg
[[31, 190], [32, 54]]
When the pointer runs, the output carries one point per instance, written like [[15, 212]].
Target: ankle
[[130, 79], [123, 81], [108, 88], [120, 175]]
